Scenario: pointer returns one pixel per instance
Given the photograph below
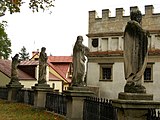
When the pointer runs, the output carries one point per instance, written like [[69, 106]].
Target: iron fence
[[31, 97], [56, 102], [26, 96], [3, 93], [98, 109], [153, 114]]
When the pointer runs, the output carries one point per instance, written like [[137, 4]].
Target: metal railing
[[98, 109], [56, 102], [3, 93], [26, 96], [153, 114]]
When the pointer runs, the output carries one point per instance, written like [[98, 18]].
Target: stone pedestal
[[134, 106], [13, 90], [75, 99], [40, 91]]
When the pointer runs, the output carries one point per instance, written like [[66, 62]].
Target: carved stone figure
[[14, 71], [135, 53], [79, 53], [42, 66]]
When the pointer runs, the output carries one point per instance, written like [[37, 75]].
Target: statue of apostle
[[79, 53], [42, 66], [14, 71], [135, 53]]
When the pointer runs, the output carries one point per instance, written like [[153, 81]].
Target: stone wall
[[107, 25]]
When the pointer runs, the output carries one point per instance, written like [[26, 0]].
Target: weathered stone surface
[[135, 96], [131, 88], [134, 109], [41, 86], [79, 53], [79, 91], [135, 53], [42, 66], [116, 24], [75, 100]]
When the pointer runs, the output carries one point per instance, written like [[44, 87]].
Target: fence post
[[13, 91], [75, 99], [40, 92]]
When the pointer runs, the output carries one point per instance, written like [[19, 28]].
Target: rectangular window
[[114, 43], [148, 73], [104, 44], [106, 72]]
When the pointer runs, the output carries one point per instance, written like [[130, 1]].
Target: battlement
[[150, 20], [120, 12]]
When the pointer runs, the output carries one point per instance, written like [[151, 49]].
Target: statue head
[[15, 57], [79, 39], [43, 49], [136, 15]]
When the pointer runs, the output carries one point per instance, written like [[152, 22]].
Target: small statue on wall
[[14, 71], [42, 66], [135, 53], [79, 53]]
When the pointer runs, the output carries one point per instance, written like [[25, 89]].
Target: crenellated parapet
[[108, 24]]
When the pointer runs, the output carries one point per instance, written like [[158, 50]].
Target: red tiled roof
[[63, 67], [53, 77], [34, 53], [29, 62], [5, 68], [58, 70], [58, 59]]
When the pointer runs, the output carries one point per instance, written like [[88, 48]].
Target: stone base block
[[135, 96], [12, 91], [40, 97], [18, 86], [79, 91], [41, 86], [75, 99], [134, 109]]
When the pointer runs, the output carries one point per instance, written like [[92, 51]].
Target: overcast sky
[[58, 31]]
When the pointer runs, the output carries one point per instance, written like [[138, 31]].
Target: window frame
[[149, 65], [106, 65]]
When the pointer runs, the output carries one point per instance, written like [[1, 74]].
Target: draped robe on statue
[[79, 52], [42, 66], [135, 52]]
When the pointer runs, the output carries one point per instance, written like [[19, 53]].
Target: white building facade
[[105, 61]]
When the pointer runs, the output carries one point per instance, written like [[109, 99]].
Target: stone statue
[[79, 53], [14, 71], [42, 66], [135, 53]]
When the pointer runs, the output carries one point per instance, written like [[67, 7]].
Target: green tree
[[23, 54], [14, 5], [5, 42]]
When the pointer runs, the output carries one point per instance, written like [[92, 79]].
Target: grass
[[19, 111]]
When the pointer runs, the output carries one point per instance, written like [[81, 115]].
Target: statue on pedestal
[[14, 71], [135, 53], [42, 66], [79, 53]]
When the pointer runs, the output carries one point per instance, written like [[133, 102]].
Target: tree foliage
[[5, 42], [14, 5], [24, 55]]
